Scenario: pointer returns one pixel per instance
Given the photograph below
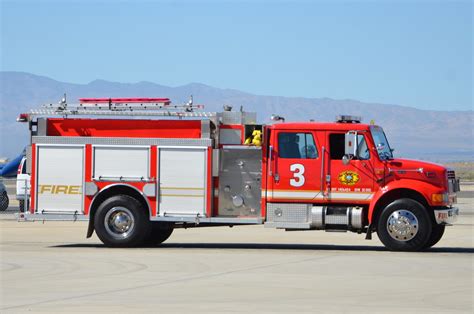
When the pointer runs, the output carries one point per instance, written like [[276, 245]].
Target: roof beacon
[[348, 119]]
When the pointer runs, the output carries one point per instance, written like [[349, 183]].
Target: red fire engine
[[147, 167]]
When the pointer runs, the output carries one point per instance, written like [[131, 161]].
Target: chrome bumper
[[446, 216]]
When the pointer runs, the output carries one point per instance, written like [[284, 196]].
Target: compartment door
[[60, 178], [182, 180]]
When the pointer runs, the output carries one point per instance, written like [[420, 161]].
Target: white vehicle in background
[[22, 185], [4, 201]]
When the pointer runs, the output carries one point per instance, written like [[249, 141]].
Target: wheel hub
[[119, 222], [402, 225]]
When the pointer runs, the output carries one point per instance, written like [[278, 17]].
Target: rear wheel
[[4, 201], [160, 232], [436, 235], [404, 225], [121, 221]]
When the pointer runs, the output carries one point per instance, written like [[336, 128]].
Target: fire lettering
[[60, 189]]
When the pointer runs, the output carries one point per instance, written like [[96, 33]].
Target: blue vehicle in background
[[10, 169]]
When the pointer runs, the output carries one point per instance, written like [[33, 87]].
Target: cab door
[[295, 166], [354, 182]]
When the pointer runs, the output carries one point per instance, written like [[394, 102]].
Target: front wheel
[[404, 225], [121, 221], [436, 235]]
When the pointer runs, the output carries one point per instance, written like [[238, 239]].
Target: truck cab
[[345, 174]]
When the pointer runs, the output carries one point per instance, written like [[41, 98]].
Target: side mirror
[[350, 147], [346, 159]]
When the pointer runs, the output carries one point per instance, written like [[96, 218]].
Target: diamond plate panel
[[287, 212]]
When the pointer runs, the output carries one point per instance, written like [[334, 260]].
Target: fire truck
[[137, 168]]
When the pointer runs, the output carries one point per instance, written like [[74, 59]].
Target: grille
[[451, 174]]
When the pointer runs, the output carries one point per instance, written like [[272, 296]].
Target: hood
[[418, 170]]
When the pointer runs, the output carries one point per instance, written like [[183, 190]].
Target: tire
[[160, 232], [4, 201], [22, 206], [121, 221], [436, 235], [404, 225]]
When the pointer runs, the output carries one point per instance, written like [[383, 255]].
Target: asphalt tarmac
[[52, 267]]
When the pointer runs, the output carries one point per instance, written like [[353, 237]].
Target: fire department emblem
[[348, 177]]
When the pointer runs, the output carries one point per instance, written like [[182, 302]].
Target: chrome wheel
[[402, 225], [119, 222]]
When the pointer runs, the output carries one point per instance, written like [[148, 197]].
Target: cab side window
[[297, 145], [337, 146]]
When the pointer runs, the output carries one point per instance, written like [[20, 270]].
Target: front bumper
[[446, 216]]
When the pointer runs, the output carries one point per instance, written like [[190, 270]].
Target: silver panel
[[357, 217], [205, 129], [149, 189], [287, 225], [215, 162], [120, 141], [102, 111], [306, 216], [240, 173], [216, 220], [288, 212], [41, 127], [73, 217], [337, 220], [28, 159], [237, 117], [230, 136], [50, 217], [90, 188], [317, 217]]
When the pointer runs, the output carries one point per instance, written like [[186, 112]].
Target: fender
[[90, 228], [420, 187]]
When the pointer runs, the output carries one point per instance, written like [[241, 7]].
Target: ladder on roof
[[122, 107]]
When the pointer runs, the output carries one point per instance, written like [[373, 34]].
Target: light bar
[[123, 100], [348, 119]]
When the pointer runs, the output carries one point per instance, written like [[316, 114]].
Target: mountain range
[[414, 133]]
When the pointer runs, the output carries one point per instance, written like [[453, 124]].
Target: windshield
[[381, 143]]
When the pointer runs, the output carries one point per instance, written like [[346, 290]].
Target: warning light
[[23, 117]]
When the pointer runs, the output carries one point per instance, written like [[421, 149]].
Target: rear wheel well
[[112, 191], [393, 195]]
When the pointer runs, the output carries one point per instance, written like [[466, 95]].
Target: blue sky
[[414, 53]]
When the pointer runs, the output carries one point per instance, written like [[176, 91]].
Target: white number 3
[[298, 178]]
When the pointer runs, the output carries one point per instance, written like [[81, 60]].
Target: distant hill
[[414, 133]]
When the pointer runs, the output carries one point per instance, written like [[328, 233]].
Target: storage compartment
[[182, 175], [60, 178], [240, 173], [121, 163]]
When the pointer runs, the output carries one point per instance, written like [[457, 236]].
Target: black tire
[[4, 201], [121, 221], [160, 232], [436, 235], [404, 225], [22, 206]]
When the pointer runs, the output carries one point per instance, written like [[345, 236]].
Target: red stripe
[[88, 178], [154, 176], [210, 190], [33, 179]]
